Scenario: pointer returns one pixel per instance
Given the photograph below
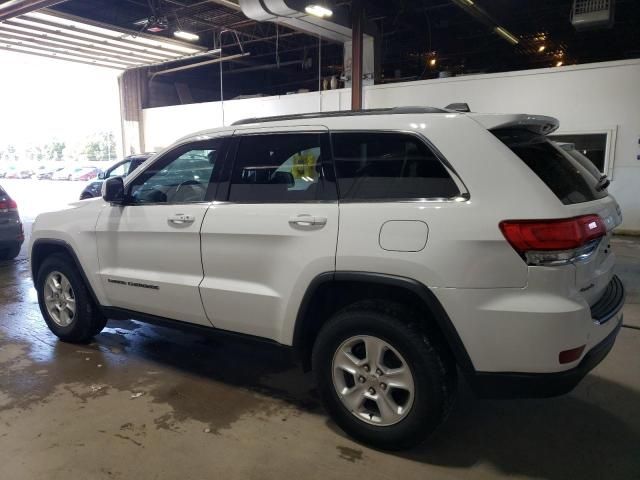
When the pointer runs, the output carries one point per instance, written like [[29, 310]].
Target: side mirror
[[113, 190], [101, 176]]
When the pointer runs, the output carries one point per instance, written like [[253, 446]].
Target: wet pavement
[[150, 402]]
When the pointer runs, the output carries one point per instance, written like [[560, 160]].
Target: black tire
[[434, 372], [10, 253], [86, 196], [87, 320]]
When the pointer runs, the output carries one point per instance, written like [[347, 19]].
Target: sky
[[42, 99]]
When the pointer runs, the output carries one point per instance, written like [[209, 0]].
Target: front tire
[[65, 302], [382, 379]]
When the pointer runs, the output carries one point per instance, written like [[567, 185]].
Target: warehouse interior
[[143, 400]]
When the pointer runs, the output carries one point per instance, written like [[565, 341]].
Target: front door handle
[[308, 221], [181, 219]]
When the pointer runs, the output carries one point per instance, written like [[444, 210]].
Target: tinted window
[[564, 175], [381, 166], [181, 177], [277, 168]]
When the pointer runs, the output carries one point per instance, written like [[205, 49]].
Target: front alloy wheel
[[59, 299]]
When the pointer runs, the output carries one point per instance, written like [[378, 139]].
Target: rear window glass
[[564, 175], [388, 166]]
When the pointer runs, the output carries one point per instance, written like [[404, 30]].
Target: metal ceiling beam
[[199, 64], [144, 57], [48, 31], [60, 27], [57, 57], [61, 45], [13, 8], [64, 51]]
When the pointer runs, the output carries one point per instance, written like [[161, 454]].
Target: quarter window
[[277, 168], [388, 166]]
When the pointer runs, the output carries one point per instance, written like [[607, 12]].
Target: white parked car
[[391, 249]]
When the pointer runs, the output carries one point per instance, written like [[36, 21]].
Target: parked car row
[[50, 172]]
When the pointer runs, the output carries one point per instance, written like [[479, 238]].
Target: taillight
[[8, 206], [554, 242]]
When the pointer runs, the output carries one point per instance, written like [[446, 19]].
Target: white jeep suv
[[391, 249]]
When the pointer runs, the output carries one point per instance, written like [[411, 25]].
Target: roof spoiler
[[540, 124]]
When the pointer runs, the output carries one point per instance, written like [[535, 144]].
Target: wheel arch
[[44, 247], [332, 291]]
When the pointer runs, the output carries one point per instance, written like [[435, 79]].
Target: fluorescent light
[[318, 11], [541, 48], [508, 36], [191, 37]]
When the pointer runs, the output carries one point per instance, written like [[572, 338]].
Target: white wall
[[599, 96]]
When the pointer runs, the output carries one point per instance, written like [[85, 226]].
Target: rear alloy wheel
[[373, 380], [384, 379]]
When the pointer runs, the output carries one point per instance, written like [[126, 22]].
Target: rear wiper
[[603, 183]]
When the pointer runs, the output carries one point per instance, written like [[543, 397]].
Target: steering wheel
[[194, 195]]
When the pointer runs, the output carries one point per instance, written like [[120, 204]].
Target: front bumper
[[540, 385]]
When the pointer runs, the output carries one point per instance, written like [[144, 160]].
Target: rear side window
[[278, 168], [564, 175], [388, 166]]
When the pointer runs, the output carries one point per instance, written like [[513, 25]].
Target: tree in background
[[101, 147], [55, 150]]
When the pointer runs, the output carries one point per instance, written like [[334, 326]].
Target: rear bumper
[[539, 385]]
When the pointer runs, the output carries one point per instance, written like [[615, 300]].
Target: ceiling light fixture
[[541, 48], [318, 11], [184, 35], [508, 36]]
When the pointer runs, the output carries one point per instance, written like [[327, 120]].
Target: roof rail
[[344, 113]]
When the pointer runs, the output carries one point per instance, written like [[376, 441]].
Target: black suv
[[11, 231], [120, 169]]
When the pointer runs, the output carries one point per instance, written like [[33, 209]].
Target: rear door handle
[[308, 220], [181, 219]]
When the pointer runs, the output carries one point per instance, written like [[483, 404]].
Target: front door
[[149, 249], [273, 231]]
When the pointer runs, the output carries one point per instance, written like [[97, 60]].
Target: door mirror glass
[[101, 176], [113, 190]]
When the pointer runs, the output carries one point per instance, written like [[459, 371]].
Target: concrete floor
[[152, 403]]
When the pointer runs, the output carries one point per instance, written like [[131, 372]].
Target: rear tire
[[10, 253], [392, 403], [64, 301]]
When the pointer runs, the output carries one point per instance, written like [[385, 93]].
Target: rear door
[[273, 230], [149, 249]]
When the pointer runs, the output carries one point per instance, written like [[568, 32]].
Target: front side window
[[277, 168], [182, 177], [388, 166], [119, 170]]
